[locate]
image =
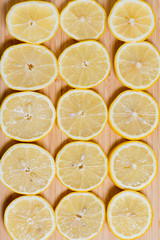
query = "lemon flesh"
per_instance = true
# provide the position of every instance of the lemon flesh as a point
(27, 169)
(81, 114)
(83, 19)
(137, 65)
(134, 115)
(132, 165)
(129, 215)
(33, 21)
(28, 67)
(27, 116)
(80, 216)
(85, 64)
(29, 218)
(131, 20)
(81, 166)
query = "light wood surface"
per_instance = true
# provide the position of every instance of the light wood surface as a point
(53, 142)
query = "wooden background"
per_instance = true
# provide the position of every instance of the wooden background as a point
(109, 89)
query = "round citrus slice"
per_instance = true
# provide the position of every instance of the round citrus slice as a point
(84, 64)
(132, 165)
(28, 67)
(27, 116)
(33, 21)
(80, 216)
(81, 114)
(27, 169)
(29, 217)
(134, 114)
(131, 20)
(83, 19)
(129, 215)
(81, 166)
(137, 65)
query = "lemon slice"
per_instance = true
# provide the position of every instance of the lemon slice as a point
(83, 19)
(28, 67)
(81, 114)
(81, 166)
(33, 21)
(132, 165)
(131, 20)
(134, 115)
(129, 215)
(80, 216)
(84, 64)
(27, 116)
(137, 65)
(29, 217)
(27, 169)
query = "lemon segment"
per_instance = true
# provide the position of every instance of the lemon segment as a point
(27, 116)
(84, 64)
(132, 165)
(81, 166)
(33, 21)
(131, 20)
(131, 209)
(80, 216)
(83, 19)
(137, 65)
(27, 169)
(134, 114)
(28, 67)
(81, 114)
(29, 217)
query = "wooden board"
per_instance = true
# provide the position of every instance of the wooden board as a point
(109, 89)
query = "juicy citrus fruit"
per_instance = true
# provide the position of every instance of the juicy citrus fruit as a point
(29, 217)
(27, 169)
(28, 67)
(81, 166)
(33, 21)
(132, 20)
(137, 65)
(27, 116)
(83, 19)
(81, 114)
(134, 115)
(80, 216)
(132, 165)
(84, 64)
(129, 215)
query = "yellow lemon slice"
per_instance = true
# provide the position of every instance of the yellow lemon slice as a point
(80, 216)
(129, 215)
(28, 67)
(132, 165)
(132, 20)
(81, 166)
(33, 21)
(134, 115)
(81, 114)
(27, 169)
(27, 116)
(83, 19)
(29, 217)
(84, 64)
(137, 65)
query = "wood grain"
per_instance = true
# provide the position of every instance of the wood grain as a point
(109, 89)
